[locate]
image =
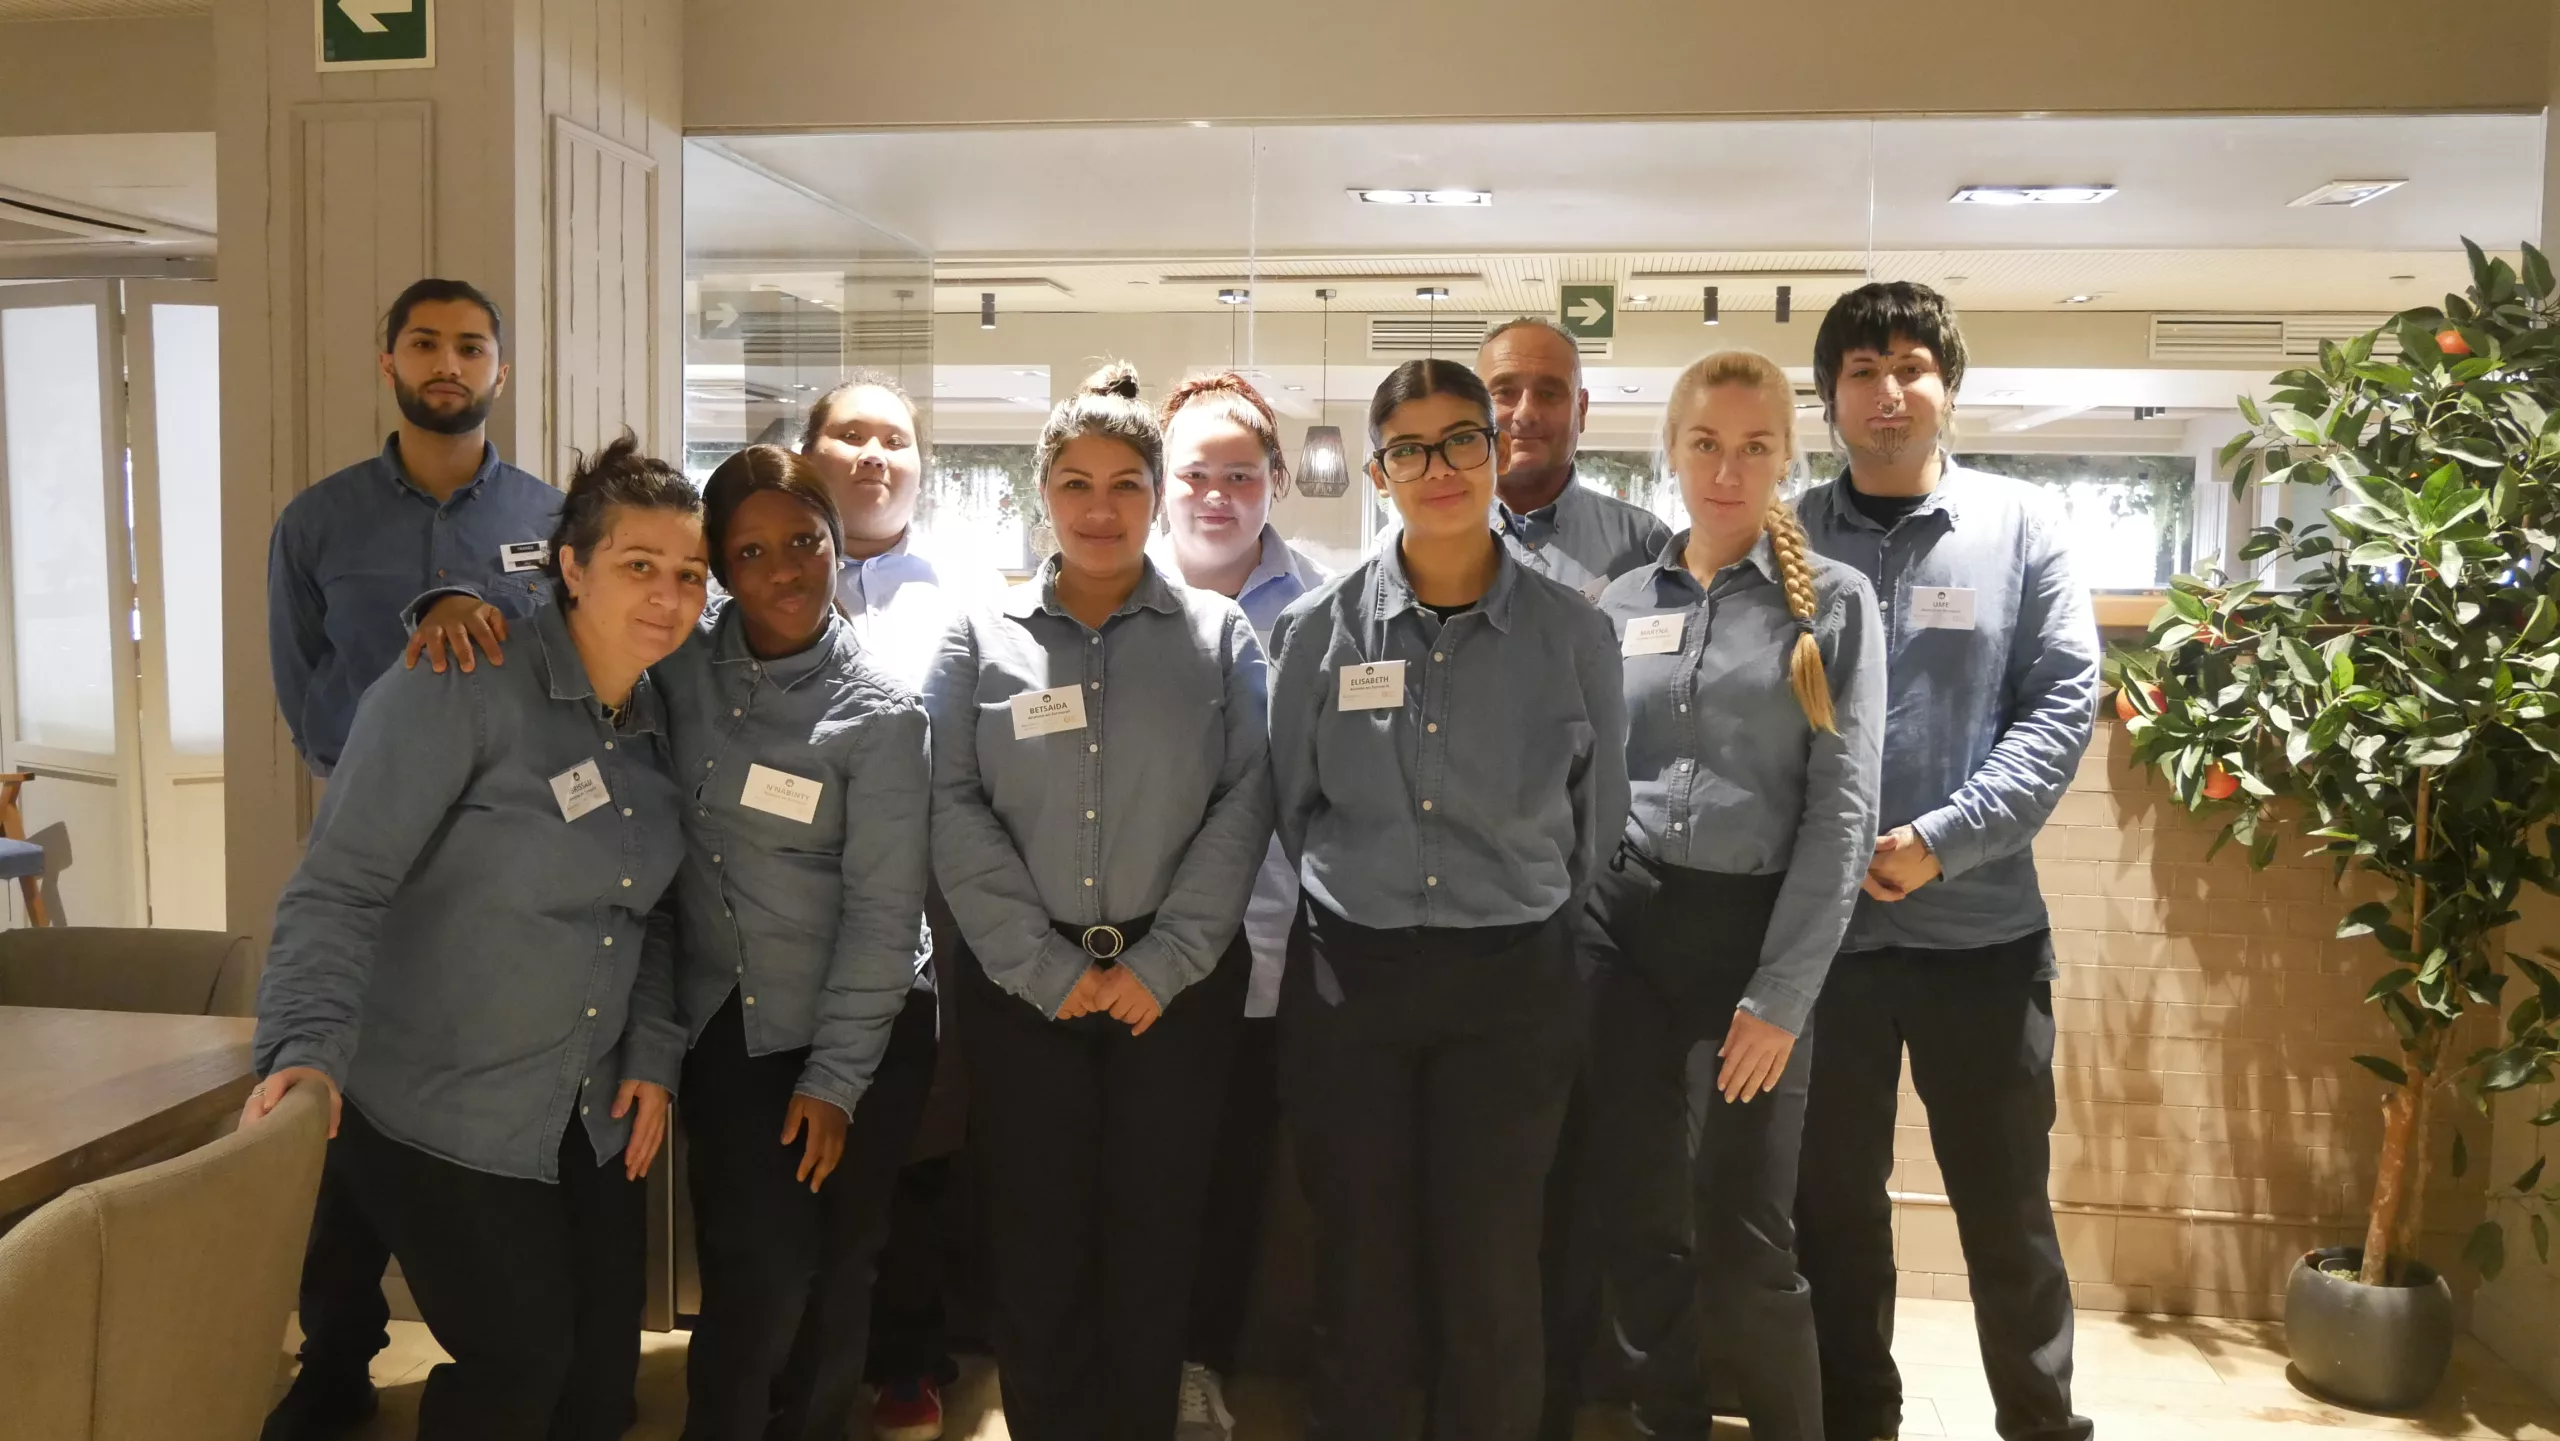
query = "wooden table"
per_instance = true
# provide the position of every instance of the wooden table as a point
(85, 1094)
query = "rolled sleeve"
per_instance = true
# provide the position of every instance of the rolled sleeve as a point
(2053, 673)
(1835, 834)
(409, 756)
(884, 871)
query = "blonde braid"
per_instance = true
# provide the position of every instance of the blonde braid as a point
(1804, 666)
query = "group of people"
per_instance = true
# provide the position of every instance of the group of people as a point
(1511, 874)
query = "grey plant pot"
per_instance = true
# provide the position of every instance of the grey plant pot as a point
(2376, 1348)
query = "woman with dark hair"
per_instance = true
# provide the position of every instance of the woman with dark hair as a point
(1101, 803)
(807, 787)
(455, 962)
(1448, 759)
(1225, 468)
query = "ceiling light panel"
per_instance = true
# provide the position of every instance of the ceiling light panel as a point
(1444, 196)
(2346, 193)
(2031, 195)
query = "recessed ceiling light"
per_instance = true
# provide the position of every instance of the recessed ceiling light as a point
(2077, 299)
(1234, 297)
(1197, 124)
(1443, 196)
(2031, 195)
(1632, 389)
(1028, 400)
(1640, 300)
(1297, 387)
(2347, 192)
(1431, 292)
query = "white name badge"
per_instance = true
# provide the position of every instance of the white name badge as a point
(1942, 607)
(1040, 712)
(523, 555)
(1653, 635)
(1373, 685)
(780, 793)
(580, 789)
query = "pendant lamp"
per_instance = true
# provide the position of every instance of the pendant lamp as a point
(1324, 467)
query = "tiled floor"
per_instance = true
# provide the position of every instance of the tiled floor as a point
(2141, 1378)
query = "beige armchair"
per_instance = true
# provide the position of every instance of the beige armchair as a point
(109, 968)
(151, 1306)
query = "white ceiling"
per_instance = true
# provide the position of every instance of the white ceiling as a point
(164, 178)
(99, 9)
(2200, 220)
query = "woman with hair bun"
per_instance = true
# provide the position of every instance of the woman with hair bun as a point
(1755, 703)
(455, 962)
(1102, 801)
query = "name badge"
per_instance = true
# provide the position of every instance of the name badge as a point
(781, 793)
(580, 789)
(1372, 685)
(1653, 635)
(1942, 607)
(523, 555)
(1040, 712)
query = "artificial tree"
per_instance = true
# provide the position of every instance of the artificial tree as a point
(2397, 699)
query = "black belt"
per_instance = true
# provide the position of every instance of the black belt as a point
(1105, 942)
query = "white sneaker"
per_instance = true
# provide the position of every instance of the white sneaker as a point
(1202, 1414)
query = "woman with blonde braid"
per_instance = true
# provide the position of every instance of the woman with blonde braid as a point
(1755, 700)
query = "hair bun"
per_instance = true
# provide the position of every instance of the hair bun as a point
(1119, 378)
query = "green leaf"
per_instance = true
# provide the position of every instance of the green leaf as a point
(2508, 1069)
(2390, 1071)
(2376, 552)
(2541, 1239)
(2531, 1174)
(2362, 920)
(2486, 1251)
(2390, 981)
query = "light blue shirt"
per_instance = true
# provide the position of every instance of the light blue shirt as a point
(454, 951)
(808, 785)
(1584, 538)
(1487, 794)
(1726, 772)
(347, 555)
(1985, 723)
(1280, 575)
(1158, 804)
(902, 603)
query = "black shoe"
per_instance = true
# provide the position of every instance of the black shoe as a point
(321, 1407)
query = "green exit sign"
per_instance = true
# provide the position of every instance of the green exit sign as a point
(376, 34)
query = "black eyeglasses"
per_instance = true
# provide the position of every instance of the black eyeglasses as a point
(1407, 461)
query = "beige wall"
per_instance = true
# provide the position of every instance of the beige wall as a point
(815, 64)
(107, 77)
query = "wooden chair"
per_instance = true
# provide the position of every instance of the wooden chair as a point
(21, 859)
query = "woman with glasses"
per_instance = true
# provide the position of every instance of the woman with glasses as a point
(1102, 801)
(1448, 758)
(1755, 700)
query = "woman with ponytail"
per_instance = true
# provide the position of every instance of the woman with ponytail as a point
(1102, 802)
(1755, 700)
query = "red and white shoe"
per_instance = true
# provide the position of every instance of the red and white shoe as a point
(908, 1411)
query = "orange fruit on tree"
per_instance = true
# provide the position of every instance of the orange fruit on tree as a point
(2220, 784)
(2450, 341)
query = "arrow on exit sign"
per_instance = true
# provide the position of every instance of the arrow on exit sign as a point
(1589, 311)
(375, 34)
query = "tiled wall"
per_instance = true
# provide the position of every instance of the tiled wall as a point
(2211, 1128)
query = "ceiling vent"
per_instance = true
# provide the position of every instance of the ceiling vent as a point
(1410, 337)
(2258, 338)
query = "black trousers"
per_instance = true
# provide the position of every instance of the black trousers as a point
(1701, 1240)
(786, 1274)
(1423, 1109)
(345, 1319)
(910, 1322)
(534, 1289)
(1979, 1024)
(1239, 1179)
(1093, 1146)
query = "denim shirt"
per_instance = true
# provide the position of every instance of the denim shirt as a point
(1727, 773)
(348, 553)
(807, 787)
(1488, 795)
(1279, 576)
(1159, 803)
(1584, 537)
(456, 954)
(1984, 724)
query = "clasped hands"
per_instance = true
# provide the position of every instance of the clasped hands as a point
(1115, 991)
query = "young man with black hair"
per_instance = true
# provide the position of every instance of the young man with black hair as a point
(1992, 678)
(437, 506)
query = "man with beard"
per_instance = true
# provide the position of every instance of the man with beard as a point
(1555, 526)
(436, 507)
(1991, 676)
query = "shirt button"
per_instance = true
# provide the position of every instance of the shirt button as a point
(626, 883)
(439, 575)
(608, 940)
(1095, 685)
(754, 669)
(715, 860)
(1431, 880)
(591, 1011)
(626, 810)
(1675, 825)
(751, 1000)
(608, 745)
(582, 1110)
(589, 1081)
(1433, 727)
(1088, 880)
(1096, 640)
(1684, 710)
(1094, 746)
(1426, 805)
(706, 765)
(1435, 655)
(735, 711)
(1088, 815)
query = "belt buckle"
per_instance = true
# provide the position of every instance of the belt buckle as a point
(1096, 937)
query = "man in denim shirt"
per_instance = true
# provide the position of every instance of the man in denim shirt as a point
(1992, 672)
(436, 505)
